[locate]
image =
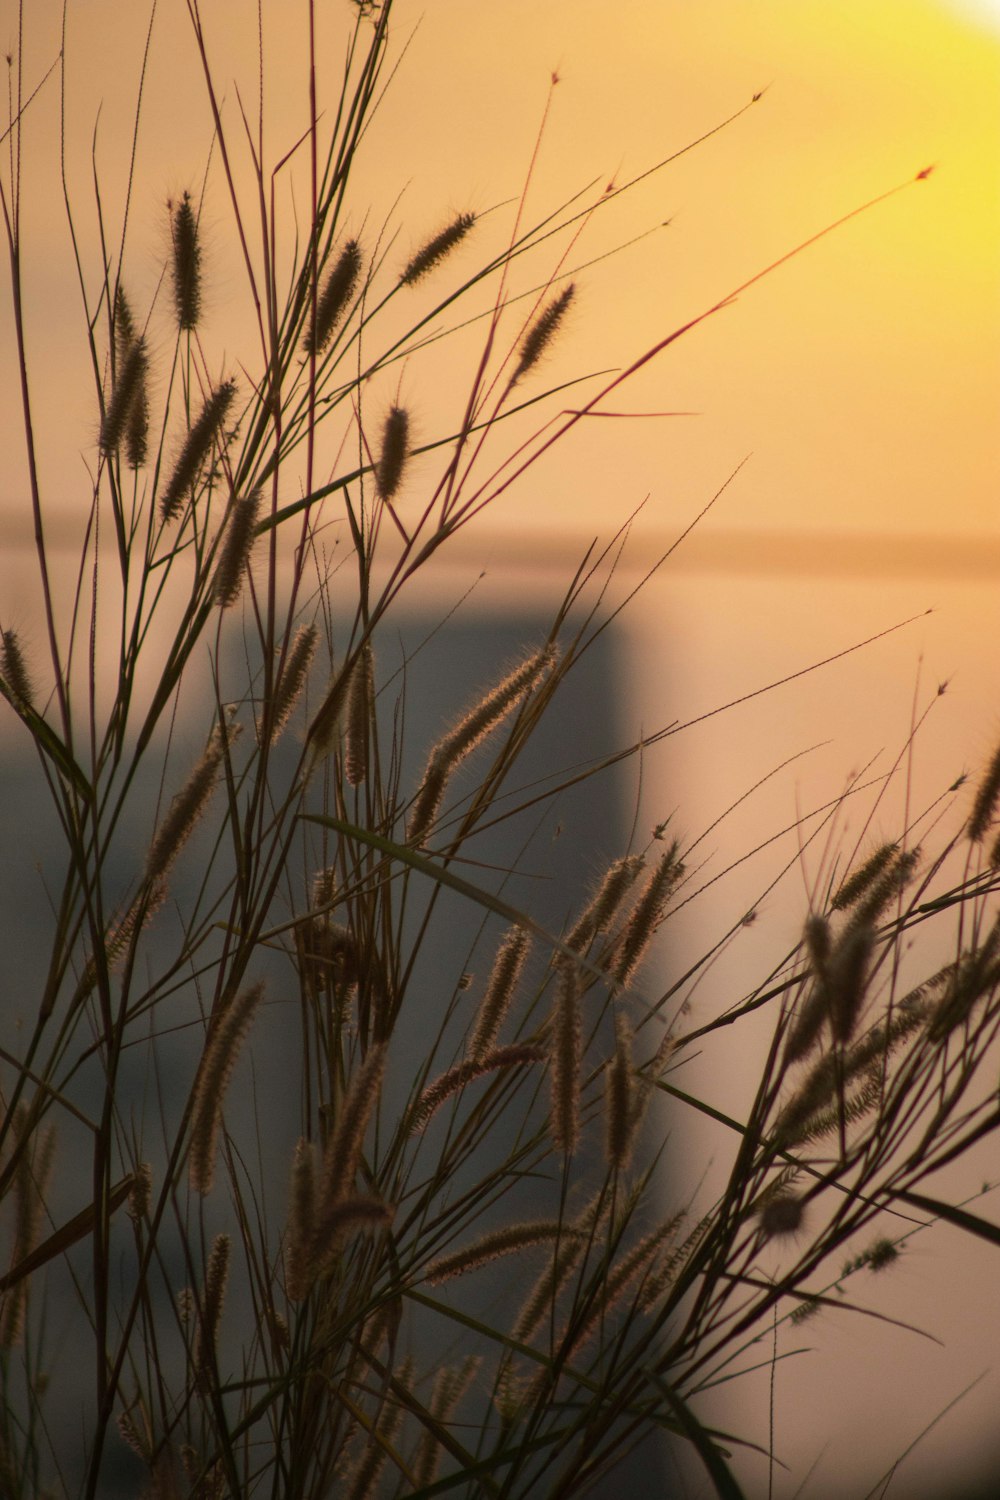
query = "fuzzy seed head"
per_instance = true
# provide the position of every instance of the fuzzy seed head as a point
(137, 426)
(334, 296)
(606, 903)
(324, 889)
(141, 1193)
(290, 684)
(864, 877)
(359, 700)
(326, 721)
(781, 1215)
(881, 1254)
(344, 1147)
(236, 547)
(214, 1073)
(847, 979)
(206, 431)
(212, 1299)
(128, 396)
(182, 815)
(886, 888)
(646, 917)
(620, 1113)
(507, 1240)
(503, 981)
(436, 249)
(542, 332)
(124, 322)
(462, 1073)
(301, 1222)
(31, 1178)
(984, 807)
(568, 1248)
(394, 453)
(186, 264)
(470, 732)
(427, 801)
(15, 673)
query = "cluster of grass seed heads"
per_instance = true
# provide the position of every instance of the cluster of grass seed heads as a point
(436, 249)
(470, 732)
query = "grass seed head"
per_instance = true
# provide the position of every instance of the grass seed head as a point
(15, 672)
(606, 903)
(301, 1222)
(507, 1240)
(237, 544)
(503, 981)
(782, 1215)
(984, 806)
(334, 296)
(394, 452)
(214, 1073)
(621, 1117)
(360, 698)
(290, 684)
(206, 430)
(127, 397)
(848, 975)
(182, 814)
(212, 1301)
(186, 264)
(435, 251)
(646, 916)
(469, 733)
(343, 1150)
(542, 332)
(456, 1078)
(856, 884)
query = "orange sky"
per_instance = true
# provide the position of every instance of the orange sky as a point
(864, 378)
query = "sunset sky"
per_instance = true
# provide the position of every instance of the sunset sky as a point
(860, 381)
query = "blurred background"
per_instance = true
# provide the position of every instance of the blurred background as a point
(844, 409)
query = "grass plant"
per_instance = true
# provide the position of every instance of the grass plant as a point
(322, 1330)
